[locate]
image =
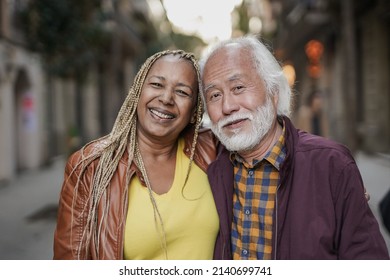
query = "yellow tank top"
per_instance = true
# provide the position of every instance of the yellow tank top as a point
(190, 218)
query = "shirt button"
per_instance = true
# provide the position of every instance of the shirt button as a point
(244, 252)
(250, 173)
(247, 211)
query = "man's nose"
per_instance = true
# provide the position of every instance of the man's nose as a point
(229, 104)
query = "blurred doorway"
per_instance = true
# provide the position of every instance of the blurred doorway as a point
(24, 120)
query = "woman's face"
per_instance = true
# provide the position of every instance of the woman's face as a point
(168, 98)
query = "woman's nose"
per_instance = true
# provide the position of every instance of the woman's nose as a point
(166, 97)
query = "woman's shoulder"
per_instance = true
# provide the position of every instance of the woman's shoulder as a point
(88, 151)
(205, 134)
(206, 147)
(206, 138)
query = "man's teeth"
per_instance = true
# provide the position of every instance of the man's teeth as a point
(161, 115)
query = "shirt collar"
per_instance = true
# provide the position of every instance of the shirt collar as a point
(275, 156)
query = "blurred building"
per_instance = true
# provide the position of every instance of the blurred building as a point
(43, 115)
(341, 48)
(22, 132)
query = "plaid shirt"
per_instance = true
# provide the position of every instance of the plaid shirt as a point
(254, 202)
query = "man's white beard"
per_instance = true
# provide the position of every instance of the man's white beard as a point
(261, 121)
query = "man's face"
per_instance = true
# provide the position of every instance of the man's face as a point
(241, 114)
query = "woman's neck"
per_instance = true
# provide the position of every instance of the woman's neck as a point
(156, 148)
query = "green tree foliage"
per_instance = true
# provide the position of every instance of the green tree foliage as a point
(188, 42)
(243, 23)
(69, 33)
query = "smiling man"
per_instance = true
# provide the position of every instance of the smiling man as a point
(281, 193)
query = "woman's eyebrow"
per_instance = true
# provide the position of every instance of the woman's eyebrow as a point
(184, 85)
(158, 77)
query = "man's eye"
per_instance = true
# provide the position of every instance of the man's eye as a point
(214, 96)
(238, 88)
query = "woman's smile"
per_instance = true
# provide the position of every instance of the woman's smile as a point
(161, 114)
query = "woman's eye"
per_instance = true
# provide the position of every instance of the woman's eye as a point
(158, 85)
(182, 93)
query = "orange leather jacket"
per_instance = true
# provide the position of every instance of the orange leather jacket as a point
(68, 234)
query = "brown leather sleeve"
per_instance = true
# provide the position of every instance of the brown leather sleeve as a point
(70, 223)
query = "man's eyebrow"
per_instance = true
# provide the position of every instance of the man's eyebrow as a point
(230, 79)
(234, 77)
(207, 88)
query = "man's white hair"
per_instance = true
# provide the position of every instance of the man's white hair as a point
(268, 68)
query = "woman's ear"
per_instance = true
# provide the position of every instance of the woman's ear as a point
(193, 118)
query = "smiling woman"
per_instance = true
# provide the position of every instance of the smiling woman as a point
(121, 193)
(168, 99)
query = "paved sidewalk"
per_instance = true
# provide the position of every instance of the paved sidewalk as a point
(28, 212)
(375, 171)
(28, 206)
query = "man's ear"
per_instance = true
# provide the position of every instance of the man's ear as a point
(275, 99)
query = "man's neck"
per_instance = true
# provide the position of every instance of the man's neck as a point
(265, 144)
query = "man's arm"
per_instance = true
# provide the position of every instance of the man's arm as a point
(357, 227)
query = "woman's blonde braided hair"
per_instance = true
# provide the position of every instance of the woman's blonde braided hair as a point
(110, 151)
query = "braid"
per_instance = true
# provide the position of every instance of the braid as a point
(110, 151)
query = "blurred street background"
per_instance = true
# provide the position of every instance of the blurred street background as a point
(66, 67)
